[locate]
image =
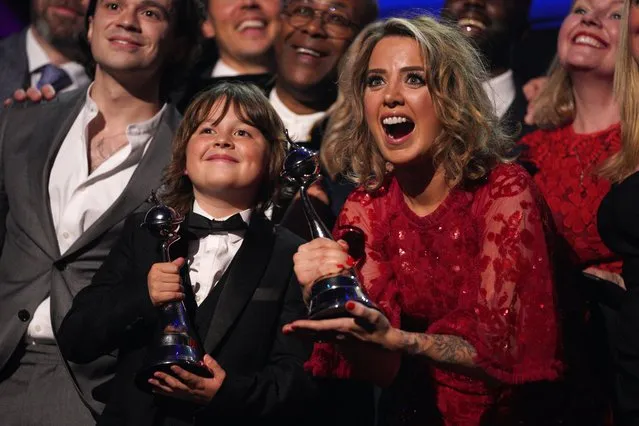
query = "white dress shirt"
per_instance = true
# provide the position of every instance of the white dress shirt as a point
(210, 256)
(222, 69)
(37, 58)
(501, 91)
(299, 126)
(78, 198)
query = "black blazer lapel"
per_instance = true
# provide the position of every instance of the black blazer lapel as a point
(146, 178)
(244, 277)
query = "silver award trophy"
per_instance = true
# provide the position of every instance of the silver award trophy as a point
(176, 342)
(329, 294)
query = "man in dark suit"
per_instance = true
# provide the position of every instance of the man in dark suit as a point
(496, 28)
(244, 32)
(308, 54)
(239, 46)
(71, 171)
(626, 380)
(47, 52)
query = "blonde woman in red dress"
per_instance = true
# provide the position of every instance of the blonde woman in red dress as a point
(578, 118)
(456, 255)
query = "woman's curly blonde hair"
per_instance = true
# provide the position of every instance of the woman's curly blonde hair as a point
(471, 142)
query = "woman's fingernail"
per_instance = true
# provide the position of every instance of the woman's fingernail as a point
(350, 261)
(340, 266)
(350, 305)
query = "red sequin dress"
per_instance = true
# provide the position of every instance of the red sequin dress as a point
(478, 267)
(565, 164)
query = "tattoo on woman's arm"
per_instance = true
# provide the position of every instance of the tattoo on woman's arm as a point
(440, 348)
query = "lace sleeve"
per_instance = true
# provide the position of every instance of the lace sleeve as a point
(510, 317)
(375, 274)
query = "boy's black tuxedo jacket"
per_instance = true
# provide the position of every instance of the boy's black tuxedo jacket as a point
(265, 382)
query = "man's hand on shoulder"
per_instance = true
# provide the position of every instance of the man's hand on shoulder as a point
(31, 96)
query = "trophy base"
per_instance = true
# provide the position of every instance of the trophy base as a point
(166, 357)
(329, 297)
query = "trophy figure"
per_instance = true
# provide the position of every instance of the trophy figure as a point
(176, 342)
(329, 294)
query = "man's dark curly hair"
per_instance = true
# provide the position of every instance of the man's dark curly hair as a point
(188, 16)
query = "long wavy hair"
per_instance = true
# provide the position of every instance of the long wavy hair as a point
(622, 164)
(471, 142)
(254, 109)
(555, 105)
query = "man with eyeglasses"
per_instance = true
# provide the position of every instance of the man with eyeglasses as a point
(314, 37)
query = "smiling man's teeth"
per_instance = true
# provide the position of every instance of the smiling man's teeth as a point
(250, 24)
(394, 120)
(124, 42)
(468, 22)
(590, 41)
(308, 52)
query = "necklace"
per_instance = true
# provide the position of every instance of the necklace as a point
(103, 148)
(581, 169)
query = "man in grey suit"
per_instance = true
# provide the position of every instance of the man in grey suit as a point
(71, 171)
(47, 52)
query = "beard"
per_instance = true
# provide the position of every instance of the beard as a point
(61, 31)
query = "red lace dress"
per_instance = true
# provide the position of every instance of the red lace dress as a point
(565, 164)
(477, 267)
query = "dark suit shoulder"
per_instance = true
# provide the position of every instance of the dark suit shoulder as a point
(14, 42)
(13, 49)
(135, 220)
(14, 65)
(38, 123)
(66, 100)
(172, 116)
(133, 225)
(286, 239)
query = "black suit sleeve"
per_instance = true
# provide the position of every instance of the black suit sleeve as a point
(282, 388)
(627, 382)
(114, 305)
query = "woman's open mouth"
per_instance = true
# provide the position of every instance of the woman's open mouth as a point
(398, 127)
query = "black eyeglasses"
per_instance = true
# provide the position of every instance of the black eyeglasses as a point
(335, 23)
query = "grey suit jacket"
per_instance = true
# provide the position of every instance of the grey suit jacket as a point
(31, 266)
(14, 65)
